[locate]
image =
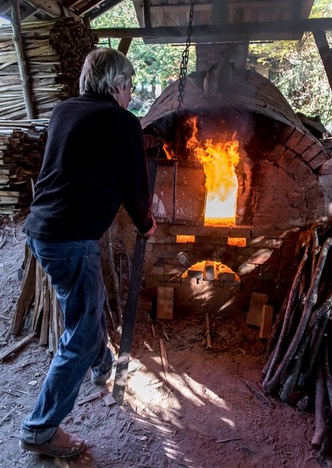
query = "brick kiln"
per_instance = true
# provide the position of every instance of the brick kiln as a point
(277, 173)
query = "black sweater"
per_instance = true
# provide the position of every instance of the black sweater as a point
(94, 160)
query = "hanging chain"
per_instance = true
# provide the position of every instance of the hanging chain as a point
(185, 58)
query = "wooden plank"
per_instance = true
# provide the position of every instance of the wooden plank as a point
(102, 9)
(21, 60)
(230, 31)
(16, 346)
(27, 294)
(266, 322)
(52, 9)
(124, 45)
(165, 303)
(255, 310)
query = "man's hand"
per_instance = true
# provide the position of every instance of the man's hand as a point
(151, 231)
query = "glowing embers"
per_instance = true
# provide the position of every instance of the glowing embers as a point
(219, 162)
(237, 241)
(184, 239)
(208, 270)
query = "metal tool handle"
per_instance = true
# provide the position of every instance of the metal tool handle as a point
(129, 318)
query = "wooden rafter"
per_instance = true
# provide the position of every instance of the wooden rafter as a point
(147, 13)
(124, 45)
(325, 53)
(70, 3)
(274, 30)
(88, 7)
(219, 10)
(21, 59)
(52, 9)
(102, 9)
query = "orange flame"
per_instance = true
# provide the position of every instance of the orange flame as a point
(219, 161)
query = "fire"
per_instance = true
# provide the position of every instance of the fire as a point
(219, 161)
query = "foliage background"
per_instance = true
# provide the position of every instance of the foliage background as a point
(295, 67)
(156, 65)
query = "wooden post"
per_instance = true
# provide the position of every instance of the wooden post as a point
(21, 59)
(219, 10)
(147, 13)
(124, 45)
(325, 53)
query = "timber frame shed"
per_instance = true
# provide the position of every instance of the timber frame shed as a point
(166, 20)
(203, 23)
(213, 21)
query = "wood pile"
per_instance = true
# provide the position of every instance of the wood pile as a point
(39, 308)
(298, 369)
(55, 51)
(22, 146)
(37, 290)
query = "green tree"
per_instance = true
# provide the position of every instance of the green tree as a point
(295, 67)
(156, 65)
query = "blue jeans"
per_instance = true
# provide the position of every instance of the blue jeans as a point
(75, 271)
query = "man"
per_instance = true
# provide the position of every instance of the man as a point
(94, 161)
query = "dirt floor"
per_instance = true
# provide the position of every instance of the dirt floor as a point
(202, 409)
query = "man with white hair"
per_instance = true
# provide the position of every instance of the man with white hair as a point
(94, 161)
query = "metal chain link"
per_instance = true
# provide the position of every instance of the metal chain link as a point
(185, 59)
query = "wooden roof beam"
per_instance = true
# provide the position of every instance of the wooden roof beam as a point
(88, 7)
(52, 9)
(219, 11)
(105, 6)
(325, 53)
(275, 30)
(70, 3)
(21, 59)
(147, 13)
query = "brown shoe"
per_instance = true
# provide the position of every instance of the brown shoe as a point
(62, 445)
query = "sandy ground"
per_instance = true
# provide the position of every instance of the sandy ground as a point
(200, 409)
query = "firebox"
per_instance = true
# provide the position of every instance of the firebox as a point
(238, 178)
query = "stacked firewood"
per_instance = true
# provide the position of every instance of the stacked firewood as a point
(38, 292)
(22, 145)
(298, 369)
(38, 307)
(55, 52)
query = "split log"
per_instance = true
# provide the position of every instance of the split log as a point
(284, 317)
(327, 371)
(22, 146)
(53, 49)
(16, 346)
(39, 297)
(320, 425)
(27, 293)
(320, 317)
(310, 301)
(299, 367)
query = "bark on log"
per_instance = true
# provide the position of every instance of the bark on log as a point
(293, 296)
(327, 371)
(320, 425)
(310, 301)
(318, 319)
(27, 294)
